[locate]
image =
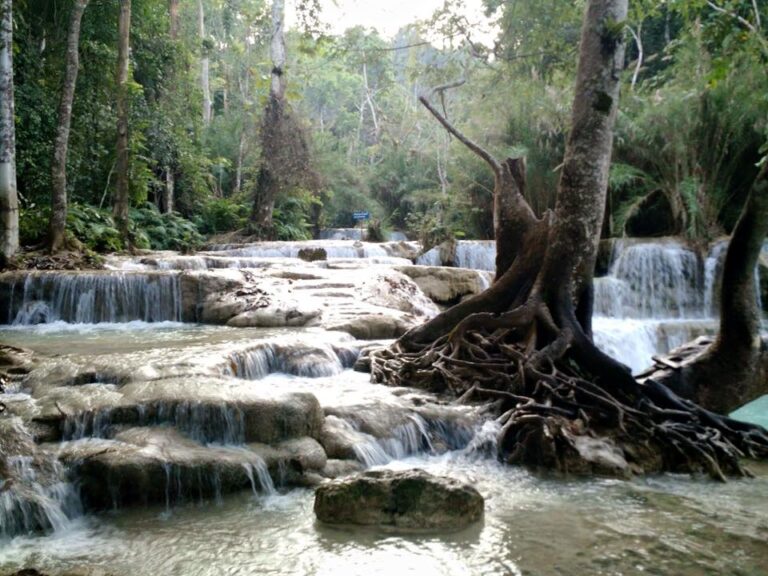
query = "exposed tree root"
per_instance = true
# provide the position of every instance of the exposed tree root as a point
(556, 415)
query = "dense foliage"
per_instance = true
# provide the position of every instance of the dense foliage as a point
(691, 127)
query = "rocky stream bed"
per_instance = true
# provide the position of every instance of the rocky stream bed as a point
(173, 414)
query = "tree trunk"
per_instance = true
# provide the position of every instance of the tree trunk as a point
(170, 187)
(277, 51)
(525, 345)
(9, 204)
(239, 165)
(734, 370)
(58, 223)
(205, 82)
(273, 130)
(122, 192)
(580, 204)
(173, 17)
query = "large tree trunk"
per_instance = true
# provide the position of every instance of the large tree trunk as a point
(205, 63)
(122, 192)
(168, 193)
(9, 204)
(166, 202)
(173, 17)
(525, 343)
(61, 143)
(274, 137)
(734, 370)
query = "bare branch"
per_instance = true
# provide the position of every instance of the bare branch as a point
(754, 28)
(474, 147)
(639, 43)
(744, 22)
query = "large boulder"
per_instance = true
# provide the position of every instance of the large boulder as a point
(447, 285)
(313, 254)
(411, 499)
(373, 327)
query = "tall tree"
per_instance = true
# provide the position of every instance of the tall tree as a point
(285, 156)
(122, 166)
(205, 64)
(526, 343)
(9, 204)
(61, 142)
(273, 129)
(173, 17)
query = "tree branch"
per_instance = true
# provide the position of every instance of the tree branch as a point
(474, 147)
(754, 28)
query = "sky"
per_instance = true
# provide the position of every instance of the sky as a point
(387, 16)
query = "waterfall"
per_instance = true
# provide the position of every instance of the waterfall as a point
(657, 295)
(35, 493)
(298, 359)
(257, 470)
(219, 423)
(416, 435)
(652, 280)
(430, 258)
(476, 254)
(333, 249)
(91, 298)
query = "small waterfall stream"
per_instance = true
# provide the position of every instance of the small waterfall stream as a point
(90, 298)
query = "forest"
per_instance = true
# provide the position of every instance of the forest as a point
(194, 112)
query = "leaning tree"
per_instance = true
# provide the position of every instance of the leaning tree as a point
(525, 344)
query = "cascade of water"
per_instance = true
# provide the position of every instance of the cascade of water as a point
(35, 494)
(652, 280)
(205, 423)
(259, 467)
(95, 298)
(430, 258)
(341, 234)
(298, 359)
(333, 249)
(417, 435)
(88, 424)
(476, 254)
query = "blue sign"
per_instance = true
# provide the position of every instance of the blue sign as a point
(362, 215)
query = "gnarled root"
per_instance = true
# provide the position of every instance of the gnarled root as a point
(554, 414)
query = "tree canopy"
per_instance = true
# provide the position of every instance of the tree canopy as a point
(691, 128)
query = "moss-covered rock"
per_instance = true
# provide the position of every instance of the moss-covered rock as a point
(411, 499)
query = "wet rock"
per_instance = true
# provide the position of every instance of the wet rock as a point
(411, 499)
(155, 465)
(276, 316)
(339, 439)
(339, 468)
(447, 285)
(403, 249)
(374, 327)
(312, 254)
(396, 291)
(14, 362)
(304, 454)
